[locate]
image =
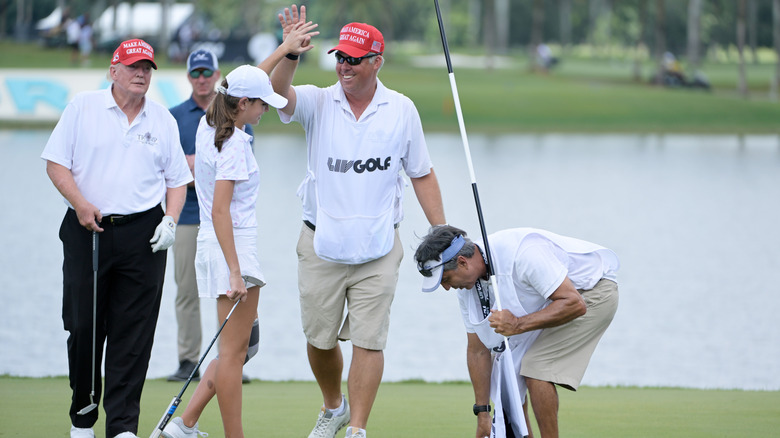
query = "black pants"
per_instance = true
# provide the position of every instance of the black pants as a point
(130, 281)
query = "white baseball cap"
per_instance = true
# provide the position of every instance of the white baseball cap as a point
(250, 81)
(436, 267)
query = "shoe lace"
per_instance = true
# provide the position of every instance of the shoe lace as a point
(321, 428)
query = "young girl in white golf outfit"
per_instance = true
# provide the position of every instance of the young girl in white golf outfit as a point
(227, 267)
(227, 182)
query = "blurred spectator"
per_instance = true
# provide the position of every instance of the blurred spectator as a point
(86, 40)
(544, 58)
(672, 75)
(72, 35)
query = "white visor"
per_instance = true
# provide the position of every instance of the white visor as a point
(436, 267)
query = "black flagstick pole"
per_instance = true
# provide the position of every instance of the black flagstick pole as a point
(506, 355)
(465, 140)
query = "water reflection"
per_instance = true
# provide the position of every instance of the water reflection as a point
(693, 219)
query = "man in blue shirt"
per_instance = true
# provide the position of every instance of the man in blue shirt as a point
(203, 74)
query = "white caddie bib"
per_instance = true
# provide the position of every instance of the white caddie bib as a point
(355, 189)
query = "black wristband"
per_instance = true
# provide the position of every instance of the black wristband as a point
(292, 57)
(481, 408)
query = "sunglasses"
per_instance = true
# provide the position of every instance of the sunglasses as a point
(351, 60)
(195, 74)
(426, 272)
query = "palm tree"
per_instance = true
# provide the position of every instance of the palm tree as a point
(537, 28)
(741, 12)
(694, 33)
(776, 38)
(564, 8)
(640, 43)
(660, 39)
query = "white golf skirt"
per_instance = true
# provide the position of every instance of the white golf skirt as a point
(211, 269)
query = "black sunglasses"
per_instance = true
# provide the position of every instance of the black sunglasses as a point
(352, 60)
(195, 74)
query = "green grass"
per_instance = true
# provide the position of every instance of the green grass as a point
(583, 95)
(38, 407)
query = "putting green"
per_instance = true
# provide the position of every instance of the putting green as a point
(39, 407)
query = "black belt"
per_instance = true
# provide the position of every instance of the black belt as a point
(121, 219)
(314, 227)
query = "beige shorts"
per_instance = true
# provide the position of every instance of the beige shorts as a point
(367, 290)
(561, 354)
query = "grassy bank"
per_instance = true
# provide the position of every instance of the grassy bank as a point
(583, 95)
(38, 407)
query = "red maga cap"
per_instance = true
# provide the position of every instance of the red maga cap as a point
(360, 39)
(131, 51)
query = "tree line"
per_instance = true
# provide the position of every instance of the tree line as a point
(691, 29)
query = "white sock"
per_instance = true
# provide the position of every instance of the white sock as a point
(342, 407)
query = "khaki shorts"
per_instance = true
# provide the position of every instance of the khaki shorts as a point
(367, 290)
(561, 354)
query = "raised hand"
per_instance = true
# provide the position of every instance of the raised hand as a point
(298, 38)
(290, 17)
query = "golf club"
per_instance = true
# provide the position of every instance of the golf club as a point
(507, 354)
(92, 405)
(176, 400)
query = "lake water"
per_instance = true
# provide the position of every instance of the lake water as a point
(695, 221)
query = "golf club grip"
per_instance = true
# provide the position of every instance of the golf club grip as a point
(94, 251)
(166, 417)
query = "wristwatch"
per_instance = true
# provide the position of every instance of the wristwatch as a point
(481, 408)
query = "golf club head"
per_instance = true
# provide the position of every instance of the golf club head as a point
(87, 409)
(253, 280)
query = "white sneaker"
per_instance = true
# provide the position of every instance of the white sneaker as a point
(81, 432)
(328, 425)
(355, 433)
(126, 435)
(177, 429)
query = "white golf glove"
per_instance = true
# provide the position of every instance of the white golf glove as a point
(164, 235)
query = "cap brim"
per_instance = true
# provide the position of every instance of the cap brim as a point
(275, 100)
(207, 65)
(133, 60)
(432, 283)
(350, 50)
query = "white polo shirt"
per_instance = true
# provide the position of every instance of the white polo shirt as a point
(235, 162)
(530, 264)
(391, 122)
(119, 167)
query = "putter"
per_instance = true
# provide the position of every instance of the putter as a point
(92, 405)
(176, 400)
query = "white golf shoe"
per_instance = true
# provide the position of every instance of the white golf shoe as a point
(328, 424)
(81, 432)
(126, 435)
(177, 429)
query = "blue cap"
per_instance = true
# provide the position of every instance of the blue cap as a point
(202, 58)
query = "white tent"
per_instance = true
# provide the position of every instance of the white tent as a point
(50, 22)
(142, 20)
